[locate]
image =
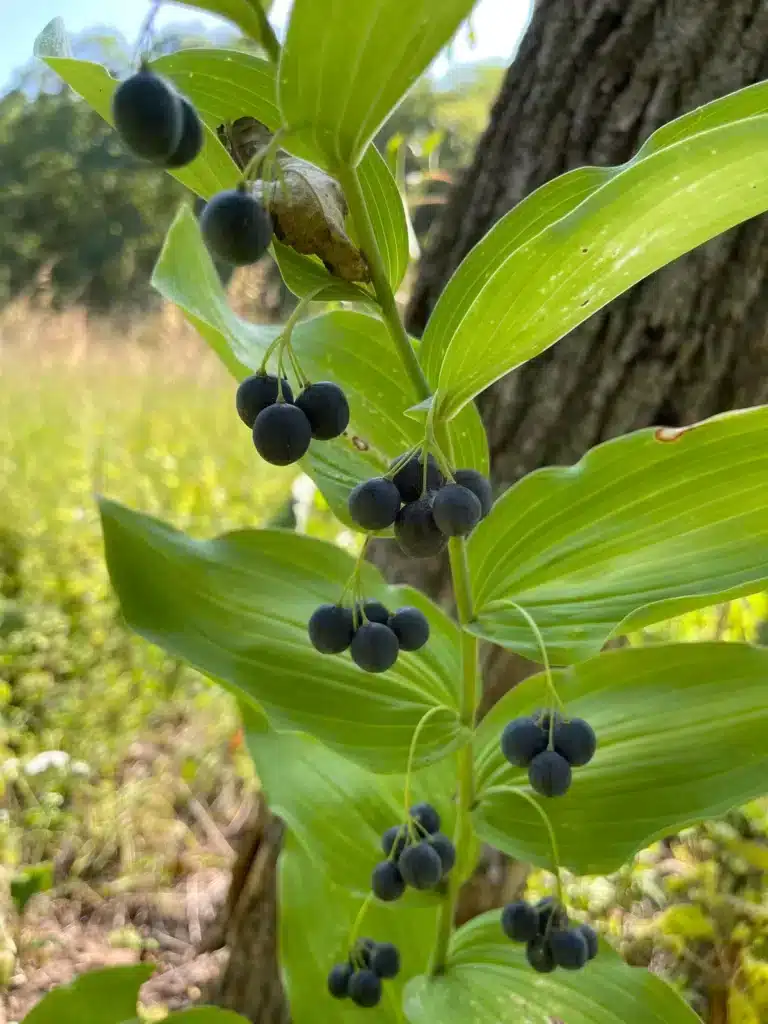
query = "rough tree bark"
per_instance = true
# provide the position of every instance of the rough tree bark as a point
(592, 79)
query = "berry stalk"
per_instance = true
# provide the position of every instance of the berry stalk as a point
(350, 182)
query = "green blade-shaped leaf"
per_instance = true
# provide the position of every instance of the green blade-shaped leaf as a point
(518, 292)
(237, 608)
(643, 528)
(346, 65)
(225, 85)
(99, 997)
(489, 982)
(351, 348)
(211, 172)
(681, 737)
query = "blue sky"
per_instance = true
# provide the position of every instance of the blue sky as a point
(497, 24)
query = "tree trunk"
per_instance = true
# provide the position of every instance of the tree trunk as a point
(591, 81)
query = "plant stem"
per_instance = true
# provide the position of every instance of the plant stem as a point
(350, 183)
(353, 193)
(465, 760)
(267, 36)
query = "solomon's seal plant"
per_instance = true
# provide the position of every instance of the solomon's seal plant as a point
(375, 757)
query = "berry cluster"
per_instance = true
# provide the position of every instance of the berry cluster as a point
(550, 943)
(375, 637)
(418, 854)
(525, 743)
(282, 428)
(156, 122)
(360, 977)
(424, 509)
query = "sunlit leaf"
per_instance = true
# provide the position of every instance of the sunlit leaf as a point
(488, 981)
(643, 528)
(237, 608)
(106, 996)
(681, 738)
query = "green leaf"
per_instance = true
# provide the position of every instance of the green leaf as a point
(237, 608)
(225, 85)
(643, 528)
(681, 738)
(344, 70)
(198, 1015)
(211, 172)
(488, 981)
(352, 348)
(553, 261)
(98, 997)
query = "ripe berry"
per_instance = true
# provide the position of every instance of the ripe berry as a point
(338, 980)
(395, 837)
(331, 629)
(409, 479)
(236, 227)
(446, 851)
(420, 866)
(387, 882)
(281, 433)
(325, 406)
(569, 948)
(575, 741)
(539, 956)
(374, 611)
(456, 510)
(551, 914)
(411, 627)
(374, 504)
(479, 486)
(521, 741)
(256, 393)
(148, 116)
(416, 530)
(385, 960)
(520, 921)
(426, 815)
(550, 774)
(590, 937)
(365, 988)
(374, 647)
(192, 135)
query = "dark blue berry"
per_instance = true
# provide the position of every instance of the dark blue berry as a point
(590, 937)
(520, 921)
(281, 434)
(256, 393)
(411, 627)
(575, 740)
(385, 960)
(236, 227)
(387, 882)
(550, 774)
(569, 948)
(192, 136)
(446, 851)
(374, 504)
(330, 628)
(456, 510)
(148, 115)
(325, 406)
(479, 486)
(521, 740)
(417, 532)
(426, 815)
(374, 611)
(394, 838)
(409, 479)
(420, 866)
(338, 980)
(539, 955)
(365, 988)
(374, 647)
